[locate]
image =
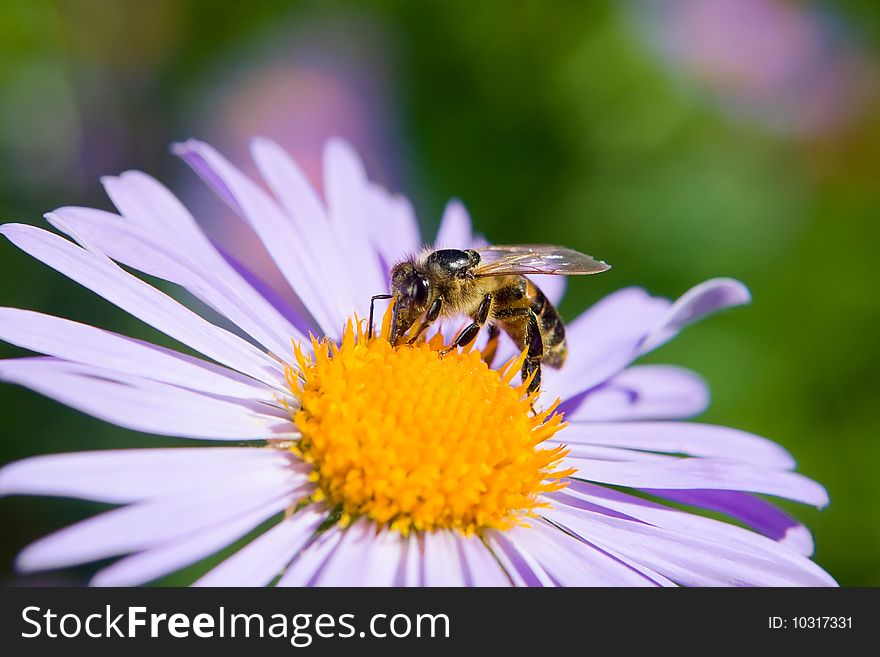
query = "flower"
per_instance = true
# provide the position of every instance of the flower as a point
(379, 465)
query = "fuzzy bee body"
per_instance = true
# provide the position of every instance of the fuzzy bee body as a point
(521, 292)
(491, 287)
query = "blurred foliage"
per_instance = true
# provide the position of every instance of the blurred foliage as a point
(553, 122)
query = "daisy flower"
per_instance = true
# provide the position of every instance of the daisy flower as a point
(372, 464)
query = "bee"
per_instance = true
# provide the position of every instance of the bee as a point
(490, 286)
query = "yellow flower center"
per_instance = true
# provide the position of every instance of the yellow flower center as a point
(419, 440)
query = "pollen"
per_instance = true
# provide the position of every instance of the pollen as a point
(418, 439)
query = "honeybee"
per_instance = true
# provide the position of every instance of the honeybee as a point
(490, 286)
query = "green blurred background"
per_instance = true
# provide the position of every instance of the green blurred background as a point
(678, 140)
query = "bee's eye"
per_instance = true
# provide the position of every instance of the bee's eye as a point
(419, 291)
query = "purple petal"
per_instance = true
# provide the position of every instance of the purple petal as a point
(292, 189)
(681, 438)
(622, 505)
(522, 568)
(394, 230)
(652, 576)
(261, 560)
(582, 451)
(410, 573)
(762, 516)
(157, 254)
(142, 526)
(696, 303)
(481, 568)
(691, 559)
(455, 228)
(386, 556)
(631, 310)
(88, 345)
(145, 405)
(144, 201)
(307, 214)
(604, 340)
(364, 558)
(143, 301)
(702, 473)
(132, 475)
(442, 562)
(627, 324)
(275, 230)
(641, 392)
(167, 558)
(571, 562)
(695, 556)
(191, 153)
(297, 316)
(309, 563)
(345, 189)
(480, 241)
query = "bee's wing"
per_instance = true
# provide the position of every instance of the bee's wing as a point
(499, 260)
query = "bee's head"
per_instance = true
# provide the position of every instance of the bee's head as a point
(411, 289)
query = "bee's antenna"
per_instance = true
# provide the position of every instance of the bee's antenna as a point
(372, 301)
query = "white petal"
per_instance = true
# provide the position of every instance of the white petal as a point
(702, 473)
(88, 345)
(310, 561)
(164, 559)
(522, 568)
(412, 573)
(627, 324)
(696, 303)
(143, 301)
(391, 222)
(141, 526)
(691, 559)
(346, 189)
(669, 518)
(691, 438)
(642, 392)
(364, 558)
(145, 201)
(261, 560)
(580, 451)
(571, 562)
(760, 515)
(455, 228)
(132, 475)
(481, 567)
(604, 340)
(272, 226)
(308, 215)
(207, 277)
(145, 405)
(442, 562)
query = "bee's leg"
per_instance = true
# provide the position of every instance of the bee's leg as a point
(372, 301)
(532, 341)
(492, 345)
(528, 367)
(535, 352)
(469, 333)
(430, 317)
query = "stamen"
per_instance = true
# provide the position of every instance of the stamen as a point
(418, 441)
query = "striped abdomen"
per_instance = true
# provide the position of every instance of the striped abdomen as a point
(551, 326)
(519, 293)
